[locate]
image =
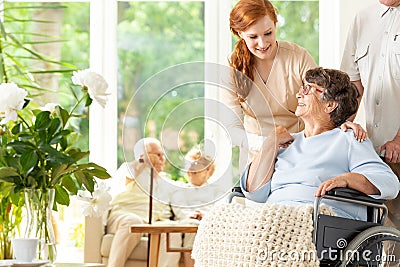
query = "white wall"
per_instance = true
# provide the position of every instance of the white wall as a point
(335, 19)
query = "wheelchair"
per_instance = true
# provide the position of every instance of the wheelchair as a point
(344, 242)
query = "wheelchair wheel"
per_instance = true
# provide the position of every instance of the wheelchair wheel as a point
(376, 246)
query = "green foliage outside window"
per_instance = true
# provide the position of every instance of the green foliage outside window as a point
(153, 36)
(298, 21)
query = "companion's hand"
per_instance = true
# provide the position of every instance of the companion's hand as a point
(338, 181)
(392, 150)
(359, 133)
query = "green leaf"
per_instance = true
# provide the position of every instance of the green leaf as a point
(55, 125)
(80, 176)
(88, 181)
(42, 121)
(59, 138)
(60, 171)
(79, 155)
(61, 196)
(7, 174)
(42, 134)
(54, 157)
(29, 159)
(25, 136)
(88, 101)
(16, 129)
(21, 146)
(70, 185)
(63, 115)
(96, 170)
(64, 143)
(13, 162)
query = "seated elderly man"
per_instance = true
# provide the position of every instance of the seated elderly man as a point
(132, 205)
(294, 168)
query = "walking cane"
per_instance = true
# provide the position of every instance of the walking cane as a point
(150, 209)
(150, 212)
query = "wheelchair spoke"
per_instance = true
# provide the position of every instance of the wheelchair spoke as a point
(377, 246)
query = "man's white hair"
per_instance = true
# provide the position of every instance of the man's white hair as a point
(140, 147)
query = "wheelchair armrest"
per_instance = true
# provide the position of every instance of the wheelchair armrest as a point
(236, 192)
(344, 192)
(353, 196)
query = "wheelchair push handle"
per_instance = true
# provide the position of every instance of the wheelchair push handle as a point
(236, 192)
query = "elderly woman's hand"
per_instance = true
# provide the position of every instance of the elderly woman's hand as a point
(359, 133)
(283, 137)
(352, 180)
(338, 181)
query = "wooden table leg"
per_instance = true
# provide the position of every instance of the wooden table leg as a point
(154, 249)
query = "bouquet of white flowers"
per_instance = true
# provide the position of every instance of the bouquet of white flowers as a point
(38, 146)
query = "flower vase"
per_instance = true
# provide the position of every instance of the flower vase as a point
(39, 205)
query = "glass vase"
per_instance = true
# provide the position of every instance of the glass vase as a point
(39, 205)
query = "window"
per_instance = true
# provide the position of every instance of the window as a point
(151, 39)
(133, 42)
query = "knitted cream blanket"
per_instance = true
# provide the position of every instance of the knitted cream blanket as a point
(232, 235)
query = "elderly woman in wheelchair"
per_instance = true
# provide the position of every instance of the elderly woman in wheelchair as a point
(295, 169)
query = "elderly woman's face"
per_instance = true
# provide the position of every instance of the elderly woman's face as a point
(198, 178)
(309, 103)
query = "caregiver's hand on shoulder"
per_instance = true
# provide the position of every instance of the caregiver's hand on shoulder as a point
(359, 133)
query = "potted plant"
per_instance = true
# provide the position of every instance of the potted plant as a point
(38, 151)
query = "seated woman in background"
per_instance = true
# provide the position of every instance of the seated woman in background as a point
(196, 198)
(192, 202)
(294, 168)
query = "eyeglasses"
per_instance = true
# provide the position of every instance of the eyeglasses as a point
(307, 88)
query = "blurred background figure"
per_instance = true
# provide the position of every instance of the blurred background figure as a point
(132, 205)
(191, 203)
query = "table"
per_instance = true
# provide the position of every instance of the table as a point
(9, 263)
(155, 231)
(66, 264)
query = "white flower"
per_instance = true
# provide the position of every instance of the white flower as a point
(97, 204)
(95, 84)
(51, 107)
(11, 100)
